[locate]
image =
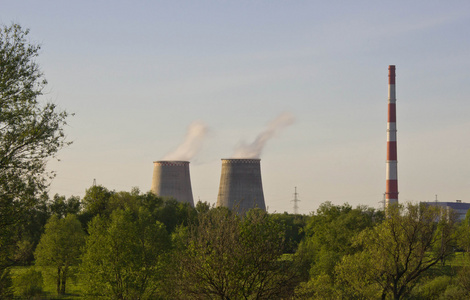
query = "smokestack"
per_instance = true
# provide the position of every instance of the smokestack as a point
(391, 191)
(171, 179)
(240, 187)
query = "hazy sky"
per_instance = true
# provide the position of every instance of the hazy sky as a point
(138, 73)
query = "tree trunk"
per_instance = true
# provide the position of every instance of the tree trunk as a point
(58, 280)
(64, 278)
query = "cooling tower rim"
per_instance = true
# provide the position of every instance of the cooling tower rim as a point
(171, 162)
(241, 160)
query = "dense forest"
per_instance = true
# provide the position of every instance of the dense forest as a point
(134, 245)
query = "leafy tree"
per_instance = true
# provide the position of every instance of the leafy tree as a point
(227, 257)
(173, 213)
(398, 252)
(329, 235)
(96, 200)
(62, 206)
(60, 247)
(30, 133)
(124, 256)
(463, 277)
(294, 229)
(29, 285)
(6, 288)
(464, 233)
(29, 231)
(202, 207)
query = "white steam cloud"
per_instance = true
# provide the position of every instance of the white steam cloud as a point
(254, 149)
(197, 131)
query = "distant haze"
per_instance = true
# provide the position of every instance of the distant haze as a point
(254, 149)
(197, 131)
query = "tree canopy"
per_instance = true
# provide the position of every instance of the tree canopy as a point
(227, 257)
(60, 247)
(397, 252)
(31, 132)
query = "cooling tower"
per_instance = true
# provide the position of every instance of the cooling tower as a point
(391, 189)
(240, 187)
(171, 179)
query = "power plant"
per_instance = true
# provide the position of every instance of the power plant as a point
(171, 179)
(391, 190)
(240, 187)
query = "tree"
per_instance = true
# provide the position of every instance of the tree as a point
(29, 231)
(60, 247)
(227, 257)
(62, 206)
(294, 229)
(329, 235)
(96, 200)
(30, 132)
(124, 256)
(397, 252)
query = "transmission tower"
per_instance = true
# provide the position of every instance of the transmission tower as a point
(296, 202)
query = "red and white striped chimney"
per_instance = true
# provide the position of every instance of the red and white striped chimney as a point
(391, 191)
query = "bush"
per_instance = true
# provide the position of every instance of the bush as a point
(454, 292)
(29, 284)
(5, 284)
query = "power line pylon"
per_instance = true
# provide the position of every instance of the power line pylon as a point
(296, 201)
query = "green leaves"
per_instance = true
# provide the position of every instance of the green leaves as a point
(397, 252)
(124, 255)
(228, 257)
(60, 247)
(30, 132)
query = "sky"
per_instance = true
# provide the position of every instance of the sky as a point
(137, 74)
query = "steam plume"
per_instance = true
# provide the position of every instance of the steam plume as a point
(254, 149)
(192, 143)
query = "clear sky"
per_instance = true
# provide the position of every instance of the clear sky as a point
(138, 73)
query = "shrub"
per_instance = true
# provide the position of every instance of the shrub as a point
(5, 284)
(29, 284)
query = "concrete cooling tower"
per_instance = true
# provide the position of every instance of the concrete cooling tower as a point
(240, 187)
(171, 179)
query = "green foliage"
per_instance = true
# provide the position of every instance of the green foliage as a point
(294, 229)
(463, 277)
(173, 213)
(30, 133)
(329, 236)
(96, 200)
(320, 287)
(463, 233)
(29, 284)
(6, 285)
(432, 289)
(397, 252)
(227, 257)
(124, 256)
(60, 247)
(202, 207)
(62, 206)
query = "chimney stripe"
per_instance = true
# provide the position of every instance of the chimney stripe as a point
(391, 189)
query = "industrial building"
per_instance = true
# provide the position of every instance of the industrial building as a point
(241, 188)
(171, 179)
(458, 207)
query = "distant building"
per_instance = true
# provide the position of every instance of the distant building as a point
(458, 207)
